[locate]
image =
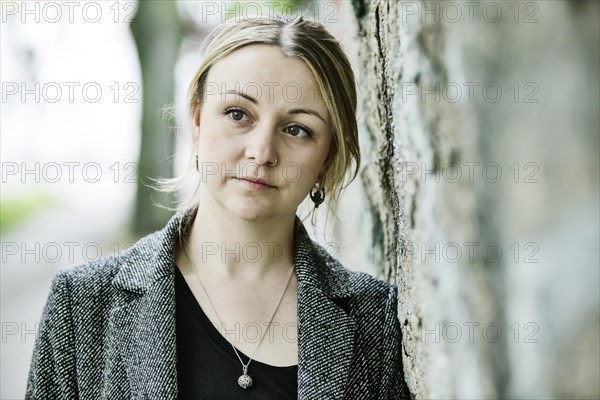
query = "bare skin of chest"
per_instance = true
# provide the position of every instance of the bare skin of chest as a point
(245, 306)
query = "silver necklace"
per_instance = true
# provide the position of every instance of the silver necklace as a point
(245, 381)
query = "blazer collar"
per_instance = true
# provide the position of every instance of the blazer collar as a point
(325, 330)
(153, 257)
(150, 259)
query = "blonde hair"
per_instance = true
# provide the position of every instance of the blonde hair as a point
(313, 44)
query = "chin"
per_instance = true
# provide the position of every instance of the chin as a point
(250, 210)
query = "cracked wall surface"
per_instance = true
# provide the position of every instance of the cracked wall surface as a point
(481, 174)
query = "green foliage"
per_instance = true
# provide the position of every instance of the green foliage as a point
(286, 7)
(15, 211)
(282, 7)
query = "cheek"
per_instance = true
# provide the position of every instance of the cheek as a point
(213, 144)
(310, 167)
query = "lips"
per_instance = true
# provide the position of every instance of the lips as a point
(257, 181)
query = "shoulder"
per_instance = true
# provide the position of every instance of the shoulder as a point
(371, 303)
(97, 275)
(358, 286)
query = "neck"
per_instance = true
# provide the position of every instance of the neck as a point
(229, 245)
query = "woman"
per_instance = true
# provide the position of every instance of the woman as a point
(232, 300)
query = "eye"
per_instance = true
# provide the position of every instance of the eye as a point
(299, 131)
(235, 114)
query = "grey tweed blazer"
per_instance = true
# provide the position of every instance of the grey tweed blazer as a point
(108, 328)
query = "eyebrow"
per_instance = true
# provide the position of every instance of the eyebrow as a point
(294, 111)
(244, 95)
(306, 111)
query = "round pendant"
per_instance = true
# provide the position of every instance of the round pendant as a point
(245, 381)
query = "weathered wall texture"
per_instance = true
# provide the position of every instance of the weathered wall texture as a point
(481, 169)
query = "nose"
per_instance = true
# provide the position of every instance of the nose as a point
(261, 145)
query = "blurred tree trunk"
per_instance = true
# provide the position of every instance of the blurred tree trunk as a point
(432, 199)
(156, 30)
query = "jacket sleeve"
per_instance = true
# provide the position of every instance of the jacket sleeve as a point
(52, 374)
(392, 385)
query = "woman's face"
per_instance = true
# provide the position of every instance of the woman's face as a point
(261, 106)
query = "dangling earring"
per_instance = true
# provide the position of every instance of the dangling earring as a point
(318, 196)
(197, 167)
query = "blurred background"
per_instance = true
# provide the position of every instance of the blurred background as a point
(478, 193)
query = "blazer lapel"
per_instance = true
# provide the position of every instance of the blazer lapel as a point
(145, 334)
(144, 323)
(325, 331)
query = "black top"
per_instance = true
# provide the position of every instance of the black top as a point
(207, 366)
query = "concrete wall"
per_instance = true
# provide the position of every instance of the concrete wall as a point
(481, 122)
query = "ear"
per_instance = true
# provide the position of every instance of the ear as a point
(196, 123)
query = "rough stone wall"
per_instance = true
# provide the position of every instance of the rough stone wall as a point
(481, 170)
